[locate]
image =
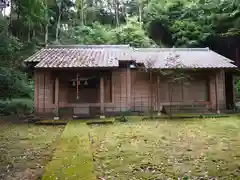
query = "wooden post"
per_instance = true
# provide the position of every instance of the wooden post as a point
(234, 89)
(57, 97)
(151, 92)
(102, 96)
(210, 91)
(36, 92)
(44, 92)
(129, 88)
(158, 95)
(216, 93)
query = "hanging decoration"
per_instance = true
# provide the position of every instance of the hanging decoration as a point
(74, 83)
(85, 83)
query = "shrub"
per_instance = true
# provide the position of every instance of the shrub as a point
(122, 119)
(16, 107)
(14, 84)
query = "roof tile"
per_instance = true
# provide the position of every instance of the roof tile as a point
(73, 56)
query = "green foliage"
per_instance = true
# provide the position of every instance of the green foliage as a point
(14, 84)
(237, 86)
(95, 34)
(10, 47)
(190, 23)
(132, 33)
(122, 119)
(187, 33)
(16, 107)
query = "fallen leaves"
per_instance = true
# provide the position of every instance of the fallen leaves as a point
(24, 149)
(173, 149)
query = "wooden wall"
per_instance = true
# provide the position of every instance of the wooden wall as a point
(119, 89)
(201, 89)
(43, 94)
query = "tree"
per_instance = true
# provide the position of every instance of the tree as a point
(80, 10)
(174, 72)
(133, 34)
(10, 47)
(192, 21)
(116, 10)
(32, 13)
(46, 4)
(95, 34)
(59, 4)
(188, 33)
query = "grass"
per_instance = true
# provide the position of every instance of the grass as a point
(159, 149)
(168, 149)
(72, 158)
(25, 149)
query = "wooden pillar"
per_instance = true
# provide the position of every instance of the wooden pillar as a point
(57, 96)
(44, 92)
(216, 93)
(158, 94)
(151, 92)
(211, 92)
(234, 89)
(129, 88)
(36, 92)
(102, 95)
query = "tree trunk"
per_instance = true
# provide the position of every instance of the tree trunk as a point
(116, 5)
(47, 23)
(170, 99)
(58, 25)
(82, 12)
(10, 15)
(140, 10)
(29, 31)
(46, 34)
(33, 33)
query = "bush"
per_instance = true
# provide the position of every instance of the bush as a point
(16, 107)
(121, 119)
(14, 84)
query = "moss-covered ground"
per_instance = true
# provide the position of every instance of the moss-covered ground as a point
(25, 149)
(137, 149)
(162, 149)
(73, 157)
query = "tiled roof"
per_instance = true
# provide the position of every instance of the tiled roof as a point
(71, 56)
(182, 57)
(54, 57)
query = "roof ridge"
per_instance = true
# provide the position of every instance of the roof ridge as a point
(176, 49)
(89, 46)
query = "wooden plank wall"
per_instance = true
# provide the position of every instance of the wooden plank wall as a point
(200, 89)
(119, 90)
(140, 91)
(44, 92)
(221, 90)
